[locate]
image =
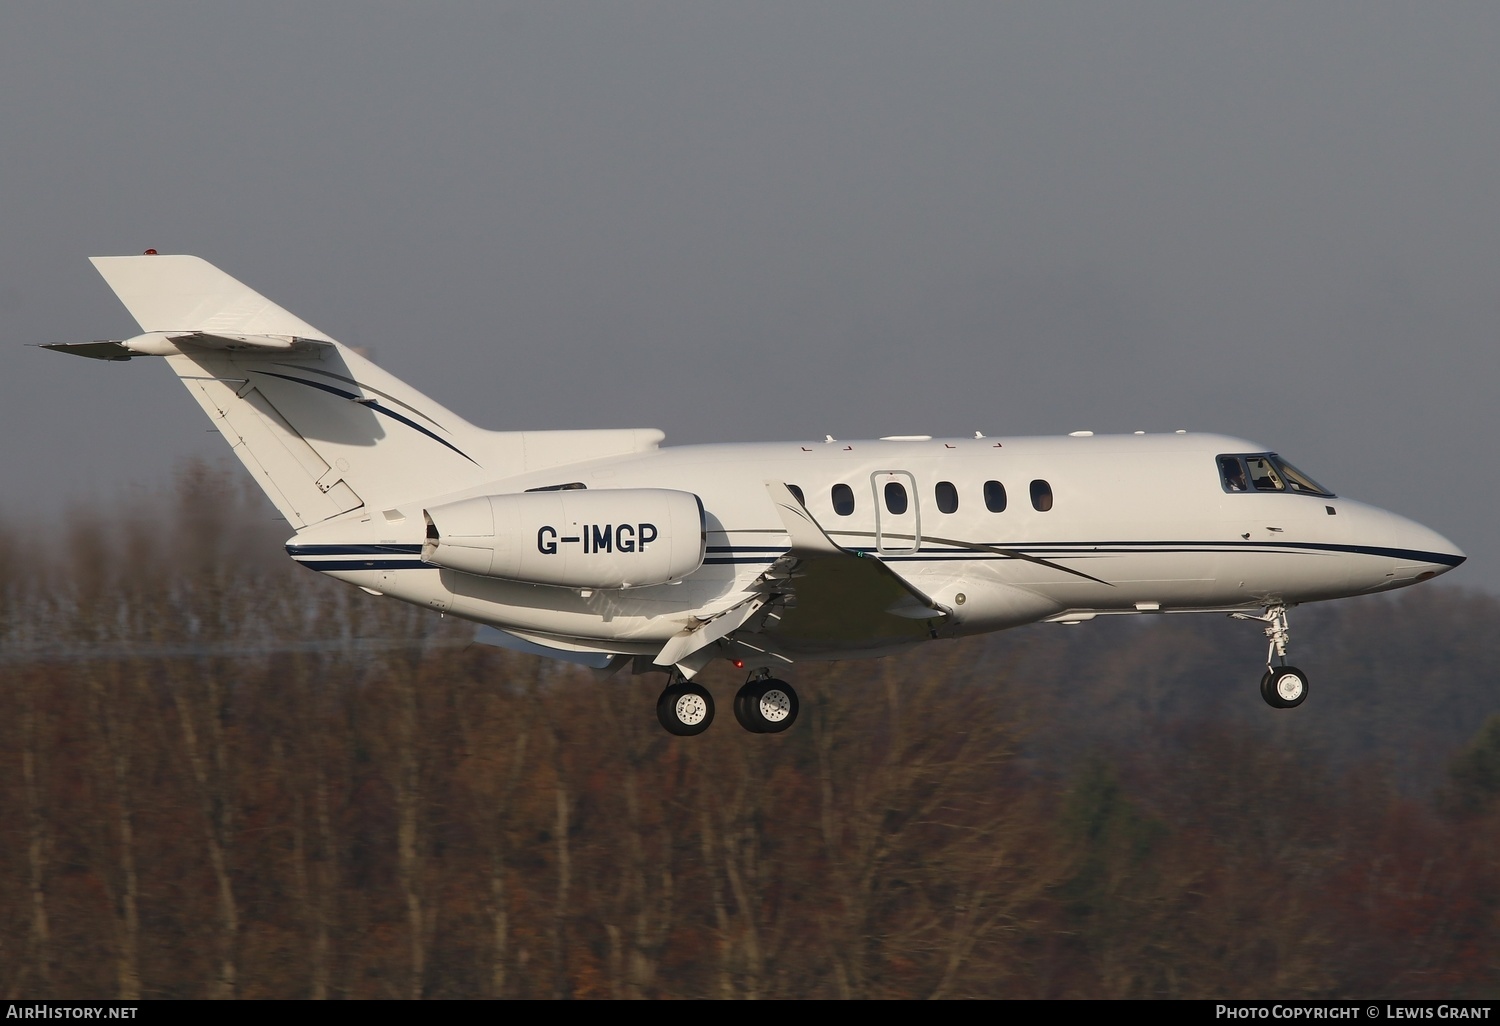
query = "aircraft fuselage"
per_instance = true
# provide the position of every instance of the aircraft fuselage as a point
(1135, 523)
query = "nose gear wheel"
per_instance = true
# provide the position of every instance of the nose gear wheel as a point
(1284, 687)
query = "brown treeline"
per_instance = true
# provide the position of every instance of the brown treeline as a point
(225, 777)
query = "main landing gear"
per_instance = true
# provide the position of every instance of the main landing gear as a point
(685, 708)
(764, 705)
(1283, 686)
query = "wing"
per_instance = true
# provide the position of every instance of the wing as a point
(837, 597)
(817, 598)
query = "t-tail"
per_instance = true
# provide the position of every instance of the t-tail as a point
(323, 430)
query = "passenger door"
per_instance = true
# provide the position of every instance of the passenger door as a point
(898, 522)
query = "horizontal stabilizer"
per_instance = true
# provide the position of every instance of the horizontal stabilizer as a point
(167, 343)
(251, 343)
(104, 349)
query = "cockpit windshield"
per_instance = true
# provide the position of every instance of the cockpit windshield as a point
(1266, 472)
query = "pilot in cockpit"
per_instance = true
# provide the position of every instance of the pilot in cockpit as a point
(1234, 474)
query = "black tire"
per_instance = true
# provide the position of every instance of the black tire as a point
(766, 706)
(685, 709)
(1284, 687)
(744, 700)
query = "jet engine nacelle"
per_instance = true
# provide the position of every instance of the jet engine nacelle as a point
(606, 539)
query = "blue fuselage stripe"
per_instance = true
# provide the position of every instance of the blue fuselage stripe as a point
(373, 405)
(317, 556)
(296, 551)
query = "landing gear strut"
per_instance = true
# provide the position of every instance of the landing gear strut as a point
(685, 708)
(765, 705)
(1282, 686)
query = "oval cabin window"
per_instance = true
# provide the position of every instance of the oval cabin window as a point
(895, 497)
(843, 500)
(1041, 496)
(994, 496)
(947, 497)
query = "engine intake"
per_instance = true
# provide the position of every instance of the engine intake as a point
(606, 539)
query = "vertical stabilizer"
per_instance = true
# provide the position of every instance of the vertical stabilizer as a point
(323, 430)
(187, 293)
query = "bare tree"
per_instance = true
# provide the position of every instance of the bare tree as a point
(924, 853)
(641, 911)
(38, 834)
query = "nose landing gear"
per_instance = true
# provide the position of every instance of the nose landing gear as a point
(1283, 686)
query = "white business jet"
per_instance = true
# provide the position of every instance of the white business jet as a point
(603, 548)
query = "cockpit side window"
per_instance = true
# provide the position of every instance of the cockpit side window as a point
(1266, 472)
(1263, 475)
(1232, 474)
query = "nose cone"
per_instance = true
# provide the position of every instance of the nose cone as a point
(1405, 552)
(1429, 552)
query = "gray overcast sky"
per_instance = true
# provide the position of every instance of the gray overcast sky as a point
(741, 221)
